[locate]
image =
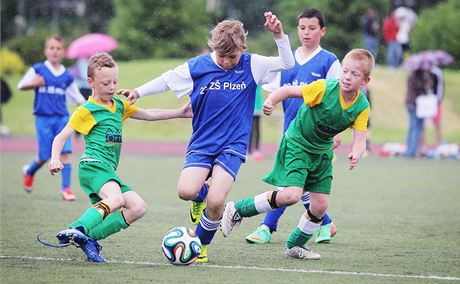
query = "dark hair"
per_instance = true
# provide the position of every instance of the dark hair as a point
(312, 13)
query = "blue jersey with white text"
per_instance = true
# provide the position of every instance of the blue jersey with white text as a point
(50, 99)
(316, 68)
(223, 106)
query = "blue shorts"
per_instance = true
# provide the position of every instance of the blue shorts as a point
(46, 128)
(230, 162)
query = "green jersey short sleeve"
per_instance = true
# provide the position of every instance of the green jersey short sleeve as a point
(101, 127)
(324, 115)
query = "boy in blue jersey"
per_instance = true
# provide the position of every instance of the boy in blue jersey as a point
(52, 84)
(312, 63)
(304, 158)
(221, 86)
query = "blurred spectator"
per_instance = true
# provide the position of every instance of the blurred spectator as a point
(79, 72)
(371, 27)
(438, 89)
(5, 96)
(254, 140)
(394, 49)
(419, 83)
(407, 19)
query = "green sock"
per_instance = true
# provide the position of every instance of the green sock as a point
(111, 225)
(90, 219)
(297, 238)
(246, 207)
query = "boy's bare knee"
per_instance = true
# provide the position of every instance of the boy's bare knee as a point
(186, 193)
(140, 210)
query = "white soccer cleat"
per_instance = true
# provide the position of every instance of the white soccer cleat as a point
(231, 219)
(302, 252)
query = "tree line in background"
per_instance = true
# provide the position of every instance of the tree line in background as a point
(179, 29)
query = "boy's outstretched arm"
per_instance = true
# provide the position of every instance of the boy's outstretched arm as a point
(280, 95)
(273, 24)
(357, 148)
(55, 164)
(163, 114)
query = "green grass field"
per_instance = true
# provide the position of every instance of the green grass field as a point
(389, 118)
(398, 221)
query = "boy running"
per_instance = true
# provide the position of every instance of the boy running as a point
(304, 158)
(222, 87)
(311, 63)
(52, 83)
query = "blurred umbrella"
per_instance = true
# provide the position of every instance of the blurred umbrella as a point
(427, 59)
(87, 45)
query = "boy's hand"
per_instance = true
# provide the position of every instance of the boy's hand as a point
(187, 110)
(354, 159)
(131, 95)
(273, 24)
(38, 81)
(337, 141)
(269, 107)
(55, 166)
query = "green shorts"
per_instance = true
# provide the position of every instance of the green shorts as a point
(294, 166)
(93, 175)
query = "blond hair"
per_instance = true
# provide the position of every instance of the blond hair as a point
(227, 37)
(364, 57)
(98, 61)
(56, 38)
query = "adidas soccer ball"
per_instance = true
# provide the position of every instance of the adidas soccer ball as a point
(181, 246)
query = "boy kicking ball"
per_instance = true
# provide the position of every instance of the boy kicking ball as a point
(100, 120)
(304, 158)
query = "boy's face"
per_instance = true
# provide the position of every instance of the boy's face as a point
(54, 51)
(352, 76)
(310, 32)
(228, 61)
(104, 83)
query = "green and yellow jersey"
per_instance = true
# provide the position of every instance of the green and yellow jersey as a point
(101, 127)
(324, 114)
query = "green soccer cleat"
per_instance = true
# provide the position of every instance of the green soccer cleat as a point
(203, 257)
(324, 233)
(259, 236)
(196, 209)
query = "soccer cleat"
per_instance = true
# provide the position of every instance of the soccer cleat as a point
(28, 180)
(203, 257)
(89, 246)
(333, 229)
(302, 252)
(231, 219)
(259, 236)
(67, 195)
(196, 209)
(324, 233)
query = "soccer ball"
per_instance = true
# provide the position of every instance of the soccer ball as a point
(181, 246)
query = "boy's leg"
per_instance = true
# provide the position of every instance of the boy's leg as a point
(198, 204)
(222, 182)
(326, 229)
(264, 202)
(134, 209)
(308, 224)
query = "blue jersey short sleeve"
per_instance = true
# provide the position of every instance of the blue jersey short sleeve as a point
(223, 106)
(50, 99)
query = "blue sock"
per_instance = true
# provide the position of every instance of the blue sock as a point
(272, 218)
(326, 220)
(33, 168)
(66, 174)
(201, 196)
(206, 229)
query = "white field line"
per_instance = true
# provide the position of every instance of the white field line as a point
(255, 268)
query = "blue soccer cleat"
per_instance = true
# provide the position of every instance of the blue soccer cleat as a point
(89, 246)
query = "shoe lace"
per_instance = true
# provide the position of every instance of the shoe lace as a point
(196, 208)
(304, 251)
